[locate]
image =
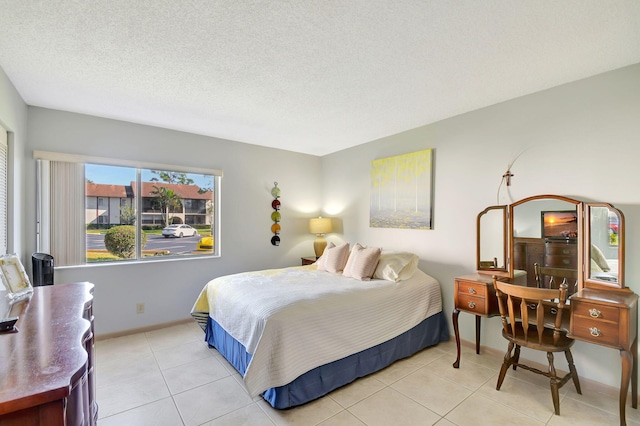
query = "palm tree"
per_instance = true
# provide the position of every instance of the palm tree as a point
(167, 198)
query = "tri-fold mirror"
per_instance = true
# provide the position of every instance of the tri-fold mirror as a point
(545, 240)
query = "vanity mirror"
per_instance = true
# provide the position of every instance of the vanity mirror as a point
(492, 241)
(545, 241)
(566, 238)
(604, 248)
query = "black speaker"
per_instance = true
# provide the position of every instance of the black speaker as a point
(42, 269)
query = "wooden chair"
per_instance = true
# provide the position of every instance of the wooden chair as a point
(489, 264)
(556, 277)
(523, 320)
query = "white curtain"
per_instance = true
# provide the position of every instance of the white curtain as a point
(4, 157)
(67, 233)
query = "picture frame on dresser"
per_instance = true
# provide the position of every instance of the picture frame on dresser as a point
(14, 277)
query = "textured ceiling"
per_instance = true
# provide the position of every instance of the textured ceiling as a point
(312, 76)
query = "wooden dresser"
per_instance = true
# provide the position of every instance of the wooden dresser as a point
(46, 366)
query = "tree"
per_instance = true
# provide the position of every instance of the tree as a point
(127, 214)
(172, 177)
(166, 198)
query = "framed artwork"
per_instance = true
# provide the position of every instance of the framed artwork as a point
(401, 191)
(14, 277)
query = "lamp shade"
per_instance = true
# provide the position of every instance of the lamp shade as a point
(320, 225)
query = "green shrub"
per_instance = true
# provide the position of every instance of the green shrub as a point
(121, 241)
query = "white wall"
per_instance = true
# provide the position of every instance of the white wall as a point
(168, 289)
(582, 140)
(13, 117)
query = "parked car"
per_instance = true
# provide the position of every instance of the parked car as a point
(179, 231)
(205, 243)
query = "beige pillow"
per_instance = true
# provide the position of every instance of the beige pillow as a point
(362, 262)
(396, 266)
(322, 256)
(334, 258)
(598, 257)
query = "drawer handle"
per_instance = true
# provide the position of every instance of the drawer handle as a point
(594, 313)
(472, 305)
(553, 311)
(472, 290)
(565, 251)
(566, 261)
(594, 332)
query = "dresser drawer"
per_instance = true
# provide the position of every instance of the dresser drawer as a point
(596, 331)
(472, 288)
(472, 304)
(598, 313)
(556, 261)
(596, 323)
(562, 249)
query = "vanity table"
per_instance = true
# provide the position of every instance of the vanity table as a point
(557, 231)
(47, 370)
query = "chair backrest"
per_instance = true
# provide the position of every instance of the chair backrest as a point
(556, 276)
(515, 303)
(489, 263)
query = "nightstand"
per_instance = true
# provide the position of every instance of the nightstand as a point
(308, 260)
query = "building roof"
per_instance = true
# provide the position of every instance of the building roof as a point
(188, 192)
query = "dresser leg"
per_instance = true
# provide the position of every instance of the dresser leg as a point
(627, 367)
(454, 317)
(477, 334)
(634, 374)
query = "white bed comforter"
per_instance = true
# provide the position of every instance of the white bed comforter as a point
(295, 319)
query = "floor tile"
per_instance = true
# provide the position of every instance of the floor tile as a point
(134, 344)
(343, 418)
(390, 407)
(478, 410)
(210, 401)
(251, 415)
(112, 370)
(311, 413)
(193, 374)
(428, 388)
(356, 391)
(131, 393)
(171, 336)
(172, 356)
(159, 413)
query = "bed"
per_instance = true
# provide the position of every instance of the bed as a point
(295, 334)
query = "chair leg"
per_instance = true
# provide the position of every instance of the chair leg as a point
(505, 366)
(554, 384)
(572, 370)
(516, 357)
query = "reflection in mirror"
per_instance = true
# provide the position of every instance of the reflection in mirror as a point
(605, 246)
(491, 250)
(545, 231)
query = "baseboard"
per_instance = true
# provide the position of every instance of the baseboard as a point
(142, 329)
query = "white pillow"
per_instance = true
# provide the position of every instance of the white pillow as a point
(396, 266)
(334, 258)
(362, 262)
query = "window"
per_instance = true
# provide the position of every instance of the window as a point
(102, 211)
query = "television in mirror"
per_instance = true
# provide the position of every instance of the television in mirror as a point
(561, 224)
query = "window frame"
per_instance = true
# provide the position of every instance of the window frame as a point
(138, 166)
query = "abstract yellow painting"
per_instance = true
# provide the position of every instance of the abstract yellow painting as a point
(401, 191)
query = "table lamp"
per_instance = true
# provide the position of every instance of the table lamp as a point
(320, 226)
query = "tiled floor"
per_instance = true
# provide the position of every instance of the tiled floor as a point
(170, 377)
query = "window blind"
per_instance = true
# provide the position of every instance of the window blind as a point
(4, 158)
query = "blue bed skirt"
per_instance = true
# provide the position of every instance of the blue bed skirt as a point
(324, 379)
